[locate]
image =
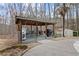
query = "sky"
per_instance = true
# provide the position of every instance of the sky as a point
(3, 8)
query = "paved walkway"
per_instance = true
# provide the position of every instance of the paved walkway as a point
(54, 48)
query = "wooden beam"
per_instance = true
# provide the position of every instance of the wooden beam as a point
(32, 22)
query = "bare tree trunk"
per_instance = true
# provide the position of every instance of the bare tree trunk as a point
(63, 20)
(77, 16)
(67, 24)
(63, 25)
(73, 28)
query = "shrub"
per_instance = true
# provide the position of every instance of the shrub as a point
(78, 33)
(75, 33)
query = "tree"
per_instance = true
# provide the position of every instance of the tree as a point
(62, 11)
(77, 15)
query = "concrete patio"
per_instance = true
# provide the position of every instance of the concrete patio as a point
(63, 47)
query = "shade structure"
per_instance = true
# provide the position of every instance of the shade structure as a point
(25, 21)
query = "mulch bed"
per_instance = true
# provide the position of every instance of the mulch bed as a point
(14, 50)
(17, 50)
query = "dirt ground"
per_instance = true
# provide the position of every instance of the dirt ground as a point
(4, 43)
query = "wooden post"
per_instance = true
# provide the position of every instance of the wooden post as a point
(36, 31)
(31, 30)
(19, 32)
(41, 29)
(26, 29)
(53, 30)
(46, 30)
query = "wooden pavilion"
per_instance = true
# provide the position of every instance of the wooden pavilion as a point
(25, 21)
